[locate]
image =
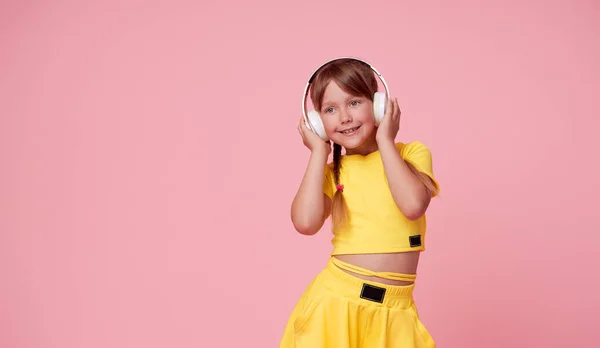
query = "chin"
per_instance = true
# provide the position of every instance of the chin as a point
(352, 142)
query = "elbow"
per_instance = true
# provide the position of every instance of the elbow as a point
(414, 214)
(305, 224)
(306, 228)
(415, 210)
(414, 205)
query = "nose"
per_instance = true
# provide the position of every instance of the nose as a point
(345, 117)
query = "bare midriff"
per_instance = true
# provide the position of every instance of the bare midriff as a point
(404, 262)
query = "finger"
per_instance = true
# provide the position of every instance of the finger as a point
(303, 126)
(302, 135)
(391, 109)
(387, 113)
(396, 108)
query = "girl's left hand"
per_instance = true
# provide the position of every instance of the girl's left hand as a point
(389, 126)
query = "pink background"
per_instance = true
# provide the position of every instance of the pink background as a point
(149, 155)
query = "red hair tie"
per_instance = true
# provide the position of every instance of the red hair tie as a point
(340, 187)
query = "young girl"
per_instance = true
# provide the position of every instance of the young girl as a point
(377, 194)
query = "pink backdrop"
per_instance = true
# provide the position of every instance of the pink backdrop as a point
(149, 155)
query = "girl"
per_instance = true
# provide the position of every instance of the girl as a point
(377, 194)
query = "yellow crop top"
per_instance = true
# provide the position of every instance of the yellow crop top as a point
(375, 224)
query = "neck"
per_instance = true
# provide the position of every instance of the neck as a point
(369, 146)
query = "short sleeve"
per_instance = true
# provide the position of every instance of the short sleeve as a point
(417, 154)
(328, 182)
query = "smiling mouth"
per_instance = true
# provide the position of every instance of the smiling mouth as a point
(350, 131)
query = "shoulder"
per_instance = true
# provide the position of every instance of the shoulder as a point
(411, 148)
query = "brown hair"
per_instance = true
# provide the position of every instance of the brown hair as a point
(355, 78)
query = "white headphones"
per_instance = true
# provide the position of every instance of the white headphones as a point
(313, 119)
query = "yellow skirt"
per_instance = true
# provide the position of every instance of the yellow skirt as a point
(338, 310)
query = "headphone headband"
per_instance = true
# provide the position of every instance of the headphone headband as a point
(310, 80)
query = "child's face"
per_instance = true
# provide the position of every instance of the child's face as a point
(348, 119)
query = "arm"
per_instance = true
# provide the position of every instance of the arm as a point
(411, 196)
(311, 206)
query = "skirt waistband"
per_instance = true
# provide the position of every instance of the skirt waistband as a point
(352, 286)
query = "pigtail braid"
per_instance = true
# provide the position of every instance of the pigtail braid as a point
(339, 212)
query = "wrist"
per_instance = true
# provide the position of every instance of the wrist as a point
(385, 142)
(320, 153)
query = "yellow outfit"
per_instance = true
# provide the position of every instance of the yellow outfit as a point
(339, 310)
(375, 224)
(332, 314)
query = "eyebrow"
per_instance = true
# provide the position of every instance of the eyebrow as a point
(326, 102)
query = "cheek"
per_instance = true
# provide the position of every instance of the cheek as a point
(368, 128)
(328, 124)
(365, 116)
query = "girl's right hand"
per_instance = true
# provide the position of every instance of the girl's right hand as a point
(312, 140)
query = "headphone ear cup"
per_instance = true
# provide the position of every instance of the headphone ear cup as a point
(316, 124)
(379, 106)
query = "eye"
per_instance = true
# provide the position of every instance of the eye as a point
(355, 102)
(328, 110)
